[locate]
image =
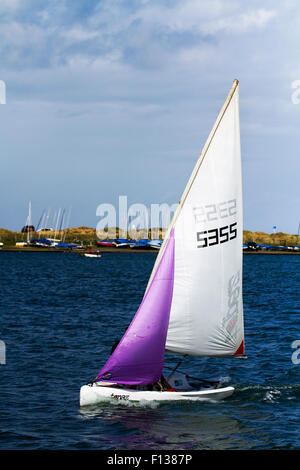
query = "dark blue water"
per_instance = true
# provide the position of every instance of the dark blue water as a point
(60, 314)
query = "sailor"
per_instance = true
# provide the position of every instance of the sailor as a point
(163, 385)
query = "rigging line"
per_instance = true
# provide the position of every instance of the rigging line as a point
(178, 364)
(211, 382)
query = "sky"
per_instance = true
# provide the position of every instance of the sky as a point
(117, 97)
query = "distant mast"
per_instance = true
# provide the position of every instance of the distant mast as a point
(29, 222)
(298, 234)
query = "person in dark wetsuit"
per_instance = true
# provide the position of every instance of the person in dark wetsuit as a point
(162, 385)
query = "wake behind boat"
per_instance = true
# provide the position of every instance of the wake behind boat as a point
(193, 302)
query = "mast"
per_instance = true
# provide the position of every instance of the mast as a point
(39, 225)
(47, 218)
(28, 221)
(57, 221)
(62, 222)
(67, 223)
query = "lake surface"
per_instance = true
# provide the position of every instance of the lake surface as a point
(60, 314)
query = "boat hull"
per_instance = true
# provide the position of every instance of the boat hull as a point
(89, 255)
(92, 394)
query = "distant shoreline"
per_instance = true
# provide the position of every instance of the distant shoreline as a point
(77, 251)
(127, 250)
(88, 237)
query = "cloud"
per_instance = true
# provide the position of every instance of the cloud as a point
(79, 34)
(142, 34)
(241, 22)
(205, 17)
(130, 86)
(9, 6)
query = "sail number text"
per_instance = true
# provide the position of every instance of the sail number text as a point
(211, 212)
(217, 235)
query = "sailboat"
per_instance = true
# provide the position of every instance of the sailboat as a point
(193, 303)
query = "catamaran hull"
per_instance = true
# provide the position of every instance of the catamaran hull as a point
(90, 395)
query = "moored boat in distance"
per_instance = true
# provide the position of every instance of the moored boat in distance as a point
(92, 254)
(106, 243)
(193, 303)
(21, 244)
(155, 244)
(140, 244)
(122, 243)
(40, 243)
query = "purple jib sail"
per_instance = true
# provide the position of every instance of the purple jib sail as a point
(139, 357)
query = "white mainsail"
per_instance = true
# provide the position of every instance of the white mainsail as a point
(206, 316)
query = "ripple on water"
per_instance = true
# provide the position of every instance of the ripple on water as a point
(60, 316)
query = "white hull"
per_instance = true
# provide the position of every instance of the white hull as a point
(92, 394)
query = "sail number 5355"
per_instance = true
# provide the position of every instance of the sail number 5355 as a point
(217, 235)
